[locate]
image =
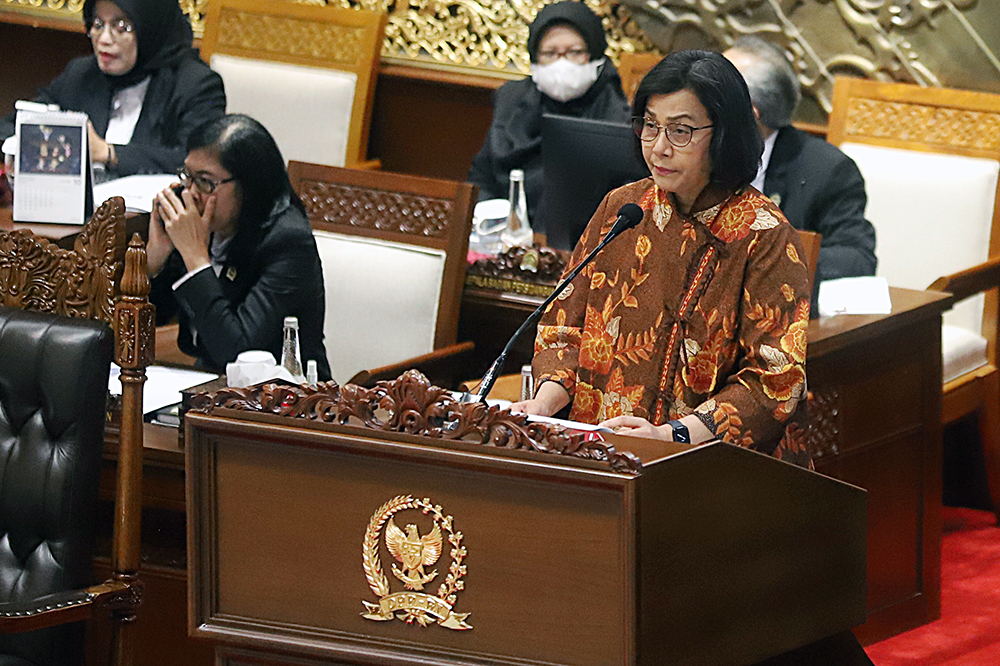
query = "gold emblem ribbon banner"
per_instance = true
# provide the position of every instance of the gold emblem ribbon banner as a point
(387, 606)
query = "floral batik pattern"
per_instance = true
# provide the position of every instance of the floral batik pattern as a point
(701, 314)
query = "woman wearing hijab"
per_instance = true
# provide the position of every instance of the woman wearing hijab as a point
(570, 76)
(144, 89)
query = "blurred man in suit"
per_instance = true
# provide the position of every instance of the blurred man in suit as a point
(817, 187)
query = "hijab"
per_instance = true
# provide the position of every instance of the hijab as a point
(162, 32)
(575, 14)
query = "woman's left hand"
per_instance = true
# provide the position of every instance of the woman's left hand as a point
(99, 151)
(638, 427)
(187, 228)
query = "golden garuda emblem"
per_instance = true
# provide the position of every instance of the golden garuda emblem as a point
(416, 553)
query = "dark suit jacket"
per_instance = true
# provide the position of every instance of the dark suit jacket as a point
(820, 189)
(178, 100)
(245, 306)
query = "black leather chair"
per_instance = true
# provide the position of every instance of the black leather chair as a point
(53, 388)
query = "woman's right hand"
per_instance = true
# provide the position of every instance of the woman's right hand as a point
(550, 398)
(186, 227)
(159, 246)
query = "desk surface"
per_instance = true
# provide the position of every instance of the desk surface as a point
(826, 335)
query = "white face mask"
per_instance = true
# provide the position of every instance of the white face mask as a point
(563, 80)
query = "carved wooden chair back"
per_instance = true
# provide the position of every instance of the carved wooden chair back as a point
(633, 67)
(306, 72)
(98, 279)
(394, 250)
(931, 159)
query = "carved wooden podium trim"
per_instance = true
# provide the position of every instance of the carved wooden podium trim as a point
(410, 404)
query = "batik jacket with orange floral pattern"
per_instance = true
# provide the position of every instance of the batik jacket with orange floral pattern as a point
(678, 315)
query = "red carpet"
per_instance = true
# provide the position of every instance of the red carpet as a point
(968, 633)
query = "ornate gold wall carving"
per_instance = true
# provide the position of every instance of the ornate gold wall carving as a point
(952, 43)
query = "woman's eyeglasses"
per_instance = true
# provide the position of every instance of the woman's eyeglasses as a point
(200, 183)
(578, 56)
(118, 28)
(678, 134)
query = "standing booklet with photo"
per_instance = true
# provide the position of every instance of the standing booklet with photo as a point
(52, 168)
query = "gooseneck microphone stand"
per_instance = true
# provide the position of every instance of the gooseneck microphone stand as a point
(629, 216)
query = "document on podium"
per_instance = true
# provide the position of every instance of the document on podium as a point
(51, 168)
(163, 385)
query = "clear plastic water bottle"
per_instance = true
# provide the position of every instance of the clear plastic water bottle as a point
(518, 232)
(291, 357)
(527, 383)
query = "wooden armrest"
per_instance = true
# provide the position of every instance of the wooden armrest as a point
(63, 607)
(444, 362)
(971, 281)
(366, 165)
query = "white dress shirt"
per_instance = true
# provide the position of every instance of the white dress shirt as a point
(126, 105)
(765, 158)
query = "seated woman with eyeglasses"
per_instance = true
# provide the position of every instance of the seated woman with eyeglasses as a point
(231, 252)
(692, 325)
(144, 88)
(570, 76)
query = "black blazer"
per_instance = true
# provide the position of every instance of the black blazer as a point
(245, 306)
(178, 99)
(820, 189)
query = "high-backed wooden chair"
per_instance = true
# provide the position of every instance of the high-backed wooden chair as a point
(306, 72)
(99, 279)
(633, 67)
(394, 250)
(931, 158)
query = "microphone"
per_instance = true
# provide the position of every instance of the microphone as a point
(629, 216)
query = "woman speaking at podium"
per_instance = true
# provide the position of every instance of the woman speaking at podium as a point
(232, 253)
(144, 88)
(692, 325)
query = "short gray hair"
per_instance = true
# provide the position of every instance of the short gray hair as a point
(773, 86)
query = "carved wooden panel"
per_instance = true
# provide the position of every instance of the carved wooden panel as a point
(823, 433)
(369, 208)
(529, 271)
(36, 274)
(285, 35)
(939, 126)
(412, 405)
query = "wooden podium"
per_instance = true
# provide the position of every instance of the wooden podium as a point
(538, 547)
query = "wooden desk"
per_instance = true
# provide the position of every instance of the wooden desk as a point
(278, 509)
(874, 422)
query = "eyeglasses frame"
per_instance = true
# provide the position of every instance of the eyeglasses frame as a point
(639, 122)
(118, 28)
(577, 56)
(188, 180)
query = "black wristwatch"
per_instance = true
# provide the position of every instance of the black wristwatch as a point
(679, 432)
